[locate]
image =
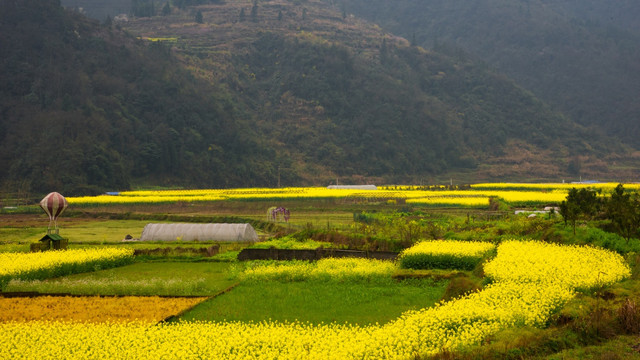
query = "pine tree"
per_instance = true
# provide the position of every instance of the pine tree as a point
(384, 51)
(254, 12)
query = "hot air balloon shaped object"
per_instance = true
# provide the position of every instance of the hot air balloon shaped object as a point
(54, 205)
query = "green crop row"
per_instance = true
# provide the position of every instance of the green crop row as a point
(44, 265)
(445, 254)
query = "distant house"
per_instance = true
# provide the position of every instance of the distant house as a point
(353, 187)
(586, 182)
(121, 18)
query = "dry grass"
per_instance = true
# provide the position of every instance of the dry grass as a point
(629, 317)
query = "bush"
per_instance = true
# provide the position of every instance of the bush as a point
(459, 286)
(611, 241)
(629, 317)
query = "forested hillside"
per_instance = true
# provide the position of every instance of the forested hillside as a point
(582, 57)
(100, 9)
(86, 108)
(229, 94)
(365, 101)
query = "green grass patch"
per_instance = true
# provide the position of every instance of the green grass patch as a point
(107, 231)
(19, 234)
(158, 278)
(619, 348)
(318, 302)
(434, 274)
(229, 256)
(14, 247)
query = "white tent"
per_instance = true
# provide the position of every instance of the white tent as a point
(200, 232)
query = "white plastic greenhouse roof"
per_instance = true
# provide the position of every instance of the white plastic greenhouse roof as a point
(353, 187)
(200, 232)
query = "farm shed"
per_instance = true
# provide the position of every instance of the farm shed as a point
(353, 187)
(200, 232)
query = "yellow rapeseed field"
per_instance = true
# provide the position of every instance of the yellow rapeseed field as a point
(445, 254)
(478, 195)
(553, 186)
(412, 195)
(42, 265)
(578, 267)
(450, 325)
(323, 269)
(511, 300)
(148, 309)
(450, 247)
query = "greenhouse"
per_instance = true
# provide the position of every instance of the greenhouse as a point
(199, 232)
(352, 187)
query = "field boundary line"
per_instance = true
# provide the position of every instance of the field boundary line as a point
(176, 316)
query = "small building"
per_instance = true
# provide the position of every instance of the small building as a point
(50, 242)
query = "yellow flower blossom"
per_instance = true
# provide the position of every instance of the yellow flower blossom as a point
(43, 265)
(578, 267)
(444, 254)
(523, 293)
(478, 195)
(328, 269)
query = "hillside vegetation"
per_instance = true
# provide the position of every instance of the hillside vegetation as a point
(581, 57)
(337, 91)
(230, 94)
(87, 108)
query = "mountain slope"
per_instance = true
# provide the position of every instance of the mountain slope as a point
(277, 93)
(368, 103)
(85, 109)
(582, 57)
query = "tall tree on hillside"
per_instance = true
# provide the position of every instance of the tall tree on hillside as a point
(166, 9)
(384, 51)
(143, 8)
(254, 12)
(199, 19)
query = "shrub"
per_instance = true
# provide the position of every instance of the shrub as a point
(629, 317)
(459, 286)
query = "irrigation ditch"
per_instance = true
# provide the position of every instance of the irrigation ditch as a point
(320, 253)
